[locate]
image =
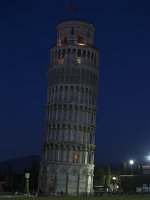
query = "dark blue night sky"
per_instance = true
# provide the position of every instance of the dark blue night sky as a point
(28, 31)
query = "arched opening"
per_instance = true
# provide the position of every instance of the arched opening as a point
(51, 185)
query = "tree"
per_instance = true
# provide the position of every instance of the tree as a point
(123, 167)
(108, 178)
(99, 175)
(34, 173)
(9, 179)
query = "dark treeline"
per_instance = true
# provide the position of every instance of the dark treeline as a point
(104, 176)
(15, 182)
(11, 181)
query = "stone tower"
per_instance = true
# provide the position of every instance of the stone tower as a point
(68, 151)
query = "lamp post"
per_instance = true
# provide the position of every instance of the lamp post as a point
(114, 183)
(114, 178)
(131, 162)
(27, 176)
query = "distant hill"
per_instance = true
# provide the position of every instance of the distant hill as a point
(19, 164)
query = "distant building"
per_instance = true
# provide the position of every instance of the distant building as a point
(68, 152)
(2, 186)
(146, 169)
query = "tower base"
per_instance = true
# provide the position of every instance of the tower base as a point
(65, 179)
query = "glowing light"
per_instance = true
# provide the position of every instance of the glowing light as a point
(148, 158)
(114, 178)
(81, 44)
(61, 61)
(131, 162)
(78, 60)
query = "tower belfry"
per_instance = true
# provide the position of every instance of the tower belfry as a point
(68, 151)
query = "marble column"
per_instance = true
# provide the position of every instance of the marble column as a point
(78, 184)
(67, 183)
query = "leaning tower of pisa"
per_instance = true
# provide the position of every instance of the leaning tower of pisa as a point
(67, 163)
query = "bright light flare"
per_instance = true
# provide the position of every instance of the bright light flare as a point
(131, 162)
(81, 44)
(148, 158)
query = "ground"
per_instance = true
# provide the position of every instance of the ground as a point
(125, 197)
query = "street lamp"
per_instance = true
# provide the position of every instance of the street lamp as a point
(114, 183)
(27, 176)
(114, 178)
(131, 162)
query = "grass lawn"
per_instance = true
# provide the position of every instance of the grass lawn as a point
(125, 197)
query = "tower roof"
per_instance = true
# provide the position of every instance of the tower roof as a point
(87, 23)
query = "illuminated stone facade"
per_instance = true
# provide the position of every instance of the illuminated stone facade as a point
(68, 152)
